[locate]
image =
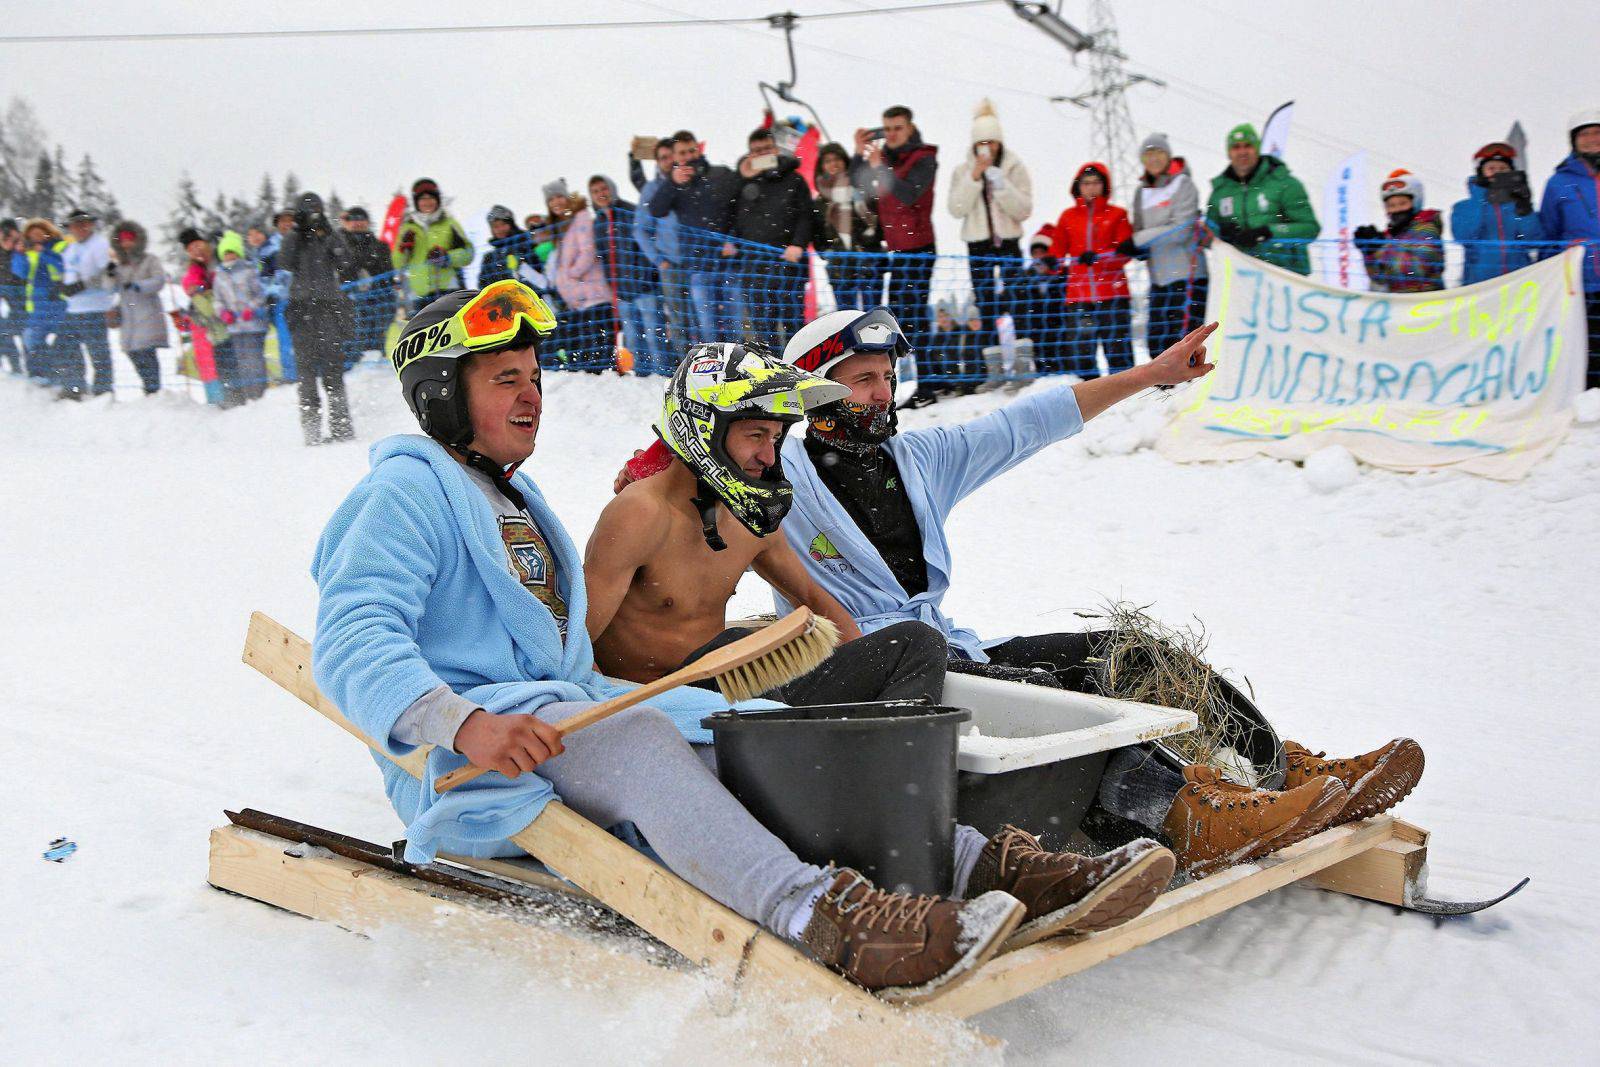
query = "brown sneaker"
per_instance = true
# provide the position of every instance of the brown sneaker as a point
(905, 948)
(1068, 893)
(1376, 781)
(1214, 823)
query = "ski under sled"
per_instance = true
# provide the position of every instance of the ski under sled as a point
(617, 917)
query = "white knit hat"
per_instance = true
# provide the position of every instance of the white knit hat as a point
(985, 124)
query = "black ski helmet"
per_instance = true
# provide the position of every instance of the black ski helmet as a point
(431, 383)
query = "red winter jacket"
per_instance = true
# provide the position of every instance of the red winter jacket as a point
(1092, 226)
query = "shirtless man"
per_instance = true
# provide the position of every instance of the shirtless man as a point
(659, 590)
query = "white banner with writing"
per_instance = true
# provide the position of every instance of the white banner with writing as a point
(1479, 378)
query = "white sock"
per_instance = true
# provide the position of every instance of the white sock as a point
(804, 908)
(969, 845)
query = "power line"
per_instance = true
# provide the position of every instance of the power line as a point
(402, 31)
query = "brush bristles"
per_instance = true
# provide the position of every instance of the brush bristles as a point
(798, 656)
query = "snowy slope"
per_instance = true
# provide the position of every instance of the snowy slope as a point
(137, 537)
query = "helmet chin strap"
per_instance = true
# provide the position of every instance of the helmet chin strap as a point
(496, 473)
(706, 503)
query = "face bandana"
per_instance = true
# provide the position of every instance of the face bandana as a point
(856, 428)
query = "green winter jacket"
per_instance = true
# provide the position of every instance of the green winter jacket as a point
(425, 278)
(1273, 198)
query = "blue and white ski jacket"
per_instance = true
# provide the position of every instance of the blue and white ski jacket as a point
(415, 592)
(940, 466)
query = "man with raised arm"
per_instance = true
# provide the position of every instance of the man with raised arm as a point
(868, 519)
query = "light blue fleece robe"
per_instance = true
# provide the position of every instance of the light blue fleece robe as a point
(939, 466)
(415, 592)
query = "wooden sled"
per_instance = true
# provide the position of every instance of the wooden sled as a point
(1378, 859)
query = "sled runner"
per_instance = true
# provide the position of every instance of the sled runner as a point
(634, 916)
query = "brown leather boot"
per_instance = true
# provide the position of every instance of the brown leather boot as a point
(1068, 893)
(1214, 823)
(1376, 781)
(906, 948)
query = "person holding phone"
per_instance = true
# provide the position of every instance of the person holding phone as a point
(775, 218)
(992, 194)
(705, 198)
(898, 171)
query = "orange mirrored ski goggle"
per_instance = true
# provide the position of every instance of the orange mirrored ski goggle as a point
(496, 315)
(490, 319)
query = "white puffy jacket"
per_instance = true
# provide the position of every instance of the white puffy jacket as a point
(1010, 198)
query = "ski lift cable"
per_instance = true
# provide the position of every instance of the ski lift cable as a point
(398, 31)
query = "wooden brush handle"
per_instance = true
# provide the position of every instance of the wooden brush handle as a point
(784, 633)
(603, 710)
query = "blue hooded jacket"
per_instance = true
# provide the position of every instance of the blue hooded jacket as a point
(941, 466)
(1570, 212)
(1483, 228)
(415, 592)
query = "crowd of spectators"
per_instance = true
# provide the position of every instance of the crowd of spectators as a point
(749, 250)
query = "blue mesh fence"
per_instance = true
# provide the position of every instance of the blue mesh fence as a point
(974, 322)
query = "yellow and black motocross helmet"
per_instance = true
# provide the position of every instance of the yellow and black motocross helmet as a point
(715, 386)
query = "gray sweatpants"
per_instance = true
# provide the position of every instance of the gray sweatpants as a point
(636, 767)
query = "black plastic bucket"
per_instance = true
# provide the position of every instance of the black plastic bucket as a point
(869, 786)
(1048, 800)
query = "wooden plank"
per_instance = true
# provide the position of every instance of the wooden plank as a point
(285, 657)
(665, 906)
(361, 897)
(1386, 873)
(1404, 831)
(1018, 973)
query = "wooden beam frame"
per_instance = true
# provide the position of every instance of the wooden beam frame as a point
(1379, 859)
(710, 935)
(362, 898)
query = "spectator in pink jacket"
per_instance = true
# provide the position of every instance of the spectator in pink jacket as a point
(587, 332)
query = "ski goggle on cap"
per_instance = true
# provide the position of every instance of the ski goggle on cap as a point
(491, 319)
(875, 331)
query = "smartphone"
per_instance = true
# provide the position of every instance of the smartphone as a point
(875, 134)
(984, 151)
(761, 163)
(644, 148)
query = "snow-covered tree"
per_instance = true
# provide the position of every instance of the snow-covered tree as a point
(66, 183)
(22, 142)
(266, 202)
(40, 195)
(93, 193)
(186, 212)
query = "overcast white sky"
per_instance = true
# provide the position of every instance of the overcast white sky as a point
(491, 117)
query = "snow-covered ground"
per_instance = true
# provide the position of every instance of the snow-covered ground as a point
(136, 537)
